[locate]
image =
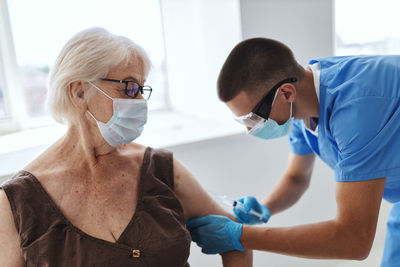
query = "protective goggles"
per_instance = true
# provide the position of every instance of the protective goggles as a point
(262, 110)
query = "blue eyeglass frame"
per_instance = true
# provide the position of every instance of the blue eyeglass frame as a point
(141, 88)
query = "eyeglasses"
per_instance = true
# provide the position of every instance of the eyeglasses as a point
(133, 88)
(262, 110)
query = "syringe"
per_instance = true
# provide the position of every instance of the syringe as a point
(236, 204)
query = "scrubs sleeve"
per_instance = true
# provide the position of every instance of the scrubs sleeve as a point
(298, 144)
(366, 132)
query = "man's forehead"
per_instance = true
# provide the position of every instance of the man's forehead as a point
(241, 104)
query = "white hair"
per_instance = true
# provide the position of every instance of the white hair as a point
(88, 56)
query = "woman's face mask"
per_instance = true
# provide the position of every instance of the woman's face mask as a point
(127, 122)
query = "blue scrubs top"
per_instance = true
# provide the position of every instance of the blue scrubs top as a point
(359, 120)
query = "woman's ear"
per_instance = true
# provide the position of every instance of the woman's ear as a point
(289, 90)
(77, 96)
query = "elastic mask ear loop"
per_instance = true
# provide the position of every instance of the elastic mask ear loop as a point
(103, 94)
(91, 115)
(273, 101)
(100, 90)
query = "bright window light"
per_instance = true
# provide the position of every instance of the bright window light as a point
(367, 27)
(40, 29)
(3, 113)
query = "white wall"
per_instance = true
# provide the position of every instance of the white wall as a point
(199, 35)
(306, 26)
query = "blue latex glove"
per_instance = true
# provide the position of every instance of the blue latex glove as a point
(250, 202)
(215, 234)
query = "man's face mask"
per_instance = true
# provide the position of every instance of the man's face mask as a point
(270, 129)
(258, 120)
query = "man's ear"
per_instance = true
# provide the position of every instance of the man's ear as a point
(77, 96)
(289, 90)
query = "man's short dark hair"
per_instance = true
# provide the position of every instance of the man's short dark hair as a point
(254, 65)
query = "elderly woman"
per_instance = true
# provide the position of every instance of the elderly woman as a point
(94, 198)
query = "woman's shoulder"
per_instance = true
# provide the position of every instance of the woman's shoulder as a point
(9, 234)
(147, 152)
(47, 162)
(20, 179)
(18, 191)
(155, 163)
(20, 188)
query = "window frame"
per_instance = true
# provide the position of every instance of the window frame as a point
(9, 72)
(17, 118)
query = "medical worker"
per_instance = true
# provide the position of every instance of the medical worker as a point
(345, 110)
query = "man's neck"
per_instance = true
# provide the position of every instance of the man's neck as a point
(307, 105)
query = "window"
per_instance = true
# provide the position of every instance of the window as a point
(187, 38)
(367, 27)
(3, 113)
(41, 28)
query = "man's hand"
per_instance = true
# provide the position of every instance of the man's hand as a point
(245, 216)
(215, 234)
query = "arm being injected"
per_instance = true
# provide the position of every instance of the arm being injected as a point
(239, 206)
(246, 210)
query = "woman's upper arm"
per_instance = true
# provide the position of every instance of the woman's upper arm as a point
(10, 250)
(195, 200)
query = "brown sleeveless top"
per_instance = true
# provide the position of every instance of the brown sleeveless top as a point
(155, 236)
